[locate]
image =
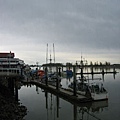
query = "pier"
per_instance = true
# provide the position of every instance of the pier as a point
(71, 94)
(63, 93)
(67, 94)
(103, 72)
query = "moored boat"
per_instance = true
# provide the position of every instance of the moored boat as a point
(52, 79)
(94, 90)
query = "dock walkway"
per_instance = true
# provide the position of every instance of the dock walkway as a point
(61, 92)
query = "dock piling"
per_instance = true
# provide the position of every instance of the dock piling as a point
(57, 81)
(59, 71)
(74, 73)
(46, 81)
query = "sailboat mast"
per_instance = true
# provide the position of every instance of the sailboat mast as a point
(47, 54)
(54, 52)
(50, 57)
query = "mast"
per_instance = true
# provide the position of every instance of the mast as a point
(54, 52)
(50, 62)
(47, 54)
(50, 57)
(50, 54)
(81, 62)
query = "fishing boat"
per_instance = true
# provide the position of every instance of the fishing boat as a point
(52, 79)
(95, 90)
(89, 88)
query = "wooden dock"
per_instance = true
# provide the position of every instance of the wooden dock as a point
(114, 72)
(61, 92)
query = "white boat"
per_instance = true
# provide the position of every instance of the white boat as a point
(94, 90)
(89, 88)
(98, 92)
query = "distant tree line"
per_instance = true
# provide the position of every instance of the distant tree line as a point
(91, 63)
(100, 63)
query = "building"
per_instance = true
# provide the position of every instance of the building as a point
(9, 65)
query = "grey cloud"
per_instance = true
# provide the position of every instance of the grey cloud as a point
(76, 24)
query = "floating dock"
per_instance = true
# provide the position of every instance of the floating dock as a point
(114, 72)
(61, 92)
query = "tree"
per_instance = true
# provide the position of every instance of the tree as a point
(91, 63)
(101, 63)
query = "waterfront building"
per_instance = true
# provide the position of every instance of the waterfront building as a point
(9, 65)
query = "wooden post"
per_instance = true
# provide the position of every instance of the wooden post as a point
(103, 72)
(103, 77)
(92, 70)
(46, 80)
(114, 70)
(82, 74)
(74, 73)
(57, 81)
(46, 95)
(75, 111)
(62, 68)
(57, 106)
(59, 71)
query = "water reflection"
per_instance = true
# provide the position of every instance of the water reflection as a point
(80, 111)
(51, 106)
(90, 110)
(43, 105)
(57, 108)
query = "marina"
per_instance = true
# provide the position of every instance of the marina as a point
(46, 105)
(78, 91)
(74, 94)
(72, 84)
(91, 93)
(59, 60)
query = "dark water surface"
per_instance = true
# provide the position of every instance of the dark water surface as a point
(42, 105)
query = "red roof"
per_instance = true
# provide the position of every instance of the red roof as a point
(7, 55)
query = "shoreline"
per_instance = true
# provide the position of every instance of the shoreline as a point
(10, 109)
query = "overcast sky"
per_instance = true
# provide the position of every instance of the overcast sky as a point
(90, 27)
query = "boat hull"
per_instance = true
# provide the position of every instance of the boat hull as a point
(94, 96)
(99, 96)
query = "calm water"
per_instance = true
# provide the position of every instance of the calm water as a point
(46, 106)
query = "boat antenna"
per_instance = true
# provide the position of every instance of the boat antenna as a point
(50, 57)
(81, 62)
(54, 52)
(47, 54)
(81, 55)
